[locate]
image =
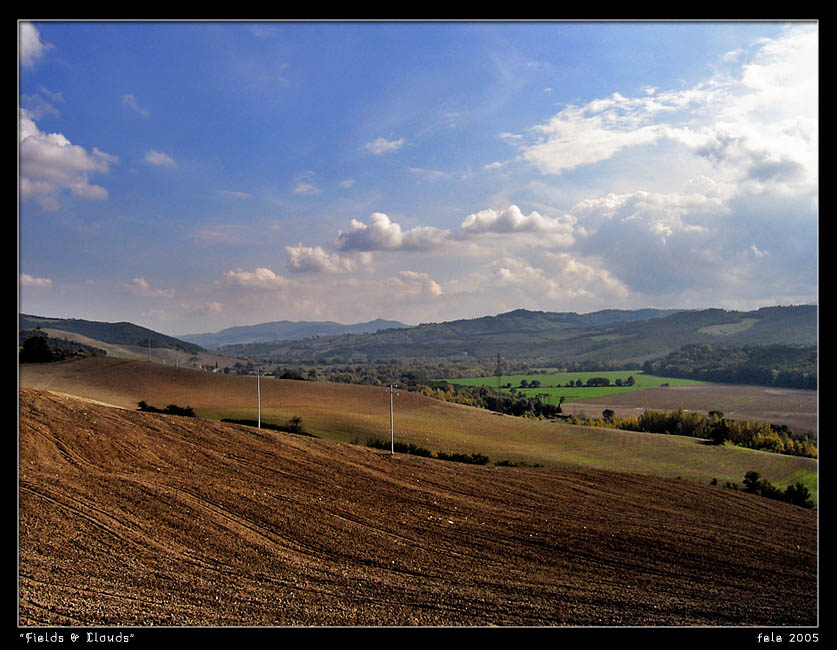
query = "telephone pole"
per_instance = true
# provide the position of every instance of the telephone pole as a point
(259, 395)
(391, 390)
(499, 373)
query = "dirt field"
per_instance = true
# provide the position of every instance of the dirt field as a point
(130, 518)
(796, 408)
(347, 412)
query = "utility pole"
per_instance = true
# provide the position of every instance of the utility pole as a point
(392, 420)
(499, 372)
(259, 395)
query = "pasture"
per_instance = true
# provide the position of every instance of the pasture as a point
(554, 386)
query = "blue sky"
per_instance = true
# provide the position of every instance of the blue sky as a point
(194, 176)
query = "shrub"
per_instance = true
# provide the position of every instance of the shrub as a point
(171, 409)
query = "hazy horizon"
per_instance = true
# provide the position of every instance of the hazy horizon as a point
(194, 176)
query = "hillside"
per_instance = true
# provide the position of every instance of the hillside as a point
(284, 330)
(129, 518)
(346, 412)
(553, 339)
(122, 333)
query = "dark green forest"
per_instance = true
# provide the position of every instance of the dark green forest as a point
(782, 366)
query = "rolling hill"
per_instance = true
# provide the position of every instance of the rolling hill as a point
(141, 519)
(122, 333)
(284, 330)
(552, 339)
(347, 412)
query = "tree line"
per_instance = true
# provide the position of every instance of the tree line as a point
(37, 347)
(714, 427)
(797, 494)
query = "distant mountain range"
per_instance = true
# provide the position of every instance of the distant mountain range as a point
(284, 331)
(610, 336)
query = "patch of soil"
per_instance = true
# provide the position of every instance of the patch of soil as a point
(131, 518)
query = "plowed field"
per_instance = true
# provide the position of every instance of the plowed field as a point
(129, 518)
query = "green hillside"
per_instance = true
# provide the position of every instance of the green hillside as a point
(555, 339)
(121, 333)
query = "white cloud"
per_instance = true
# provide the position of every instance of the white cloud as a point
(760, 123)
(262, 279)
(129, 100)
(32, 48)
(40, 107)
(50, 164)
(306, 189)
(412, 283)
(512, 220)
(29, 281)
(383, 234)
(583, 136)
(381, 146)
(140, 287)
(159, 159)
(316, 260)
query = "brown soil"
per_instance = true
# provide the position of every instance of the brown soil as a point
(130, 518)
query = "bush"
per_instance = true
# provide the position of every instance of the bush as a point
(410, 448)
(797, 494)
(171, 409)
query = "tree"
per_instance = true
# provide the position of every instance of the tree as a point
(36, 350)
(752, 481)
(607, 415)
(294, 425)
(798, 495)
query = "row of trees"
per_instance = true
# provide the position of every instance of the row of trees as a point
(713, 427)
(38, 347)
(797, 494)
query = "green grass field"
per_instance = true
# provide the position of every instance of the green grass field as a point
(554, 386)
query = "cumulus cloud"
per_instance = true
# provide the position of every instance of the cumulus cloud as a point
(512, 220)
(382, 146)
(262, 279)
(381, 233)
(50, 164)
(413, 283)
(31, 48)
(308, 259)
(545, 280)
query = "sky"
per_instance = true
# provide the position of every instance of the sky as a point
(192, 176)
